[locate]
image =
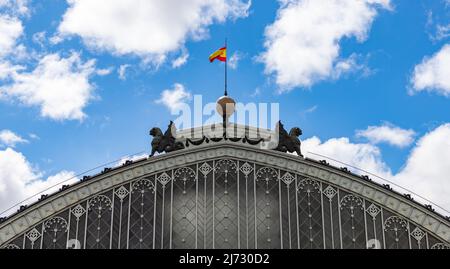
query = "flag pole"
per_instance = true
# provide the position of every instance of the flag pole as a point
(226, 67)
(224, 116)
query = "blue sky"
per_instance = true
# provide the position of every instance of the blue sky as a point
(373, 69)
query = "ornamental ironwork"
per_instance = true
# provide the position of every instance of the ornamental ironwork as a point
(396, 232)
(33, 237)
(440, 246)
(55, 225)
(11, 246)
(288, 178)
(121, 193)
(226, 166)
(205, 169)
(329, 192)
(225, 203)
(164, 179)
(78, 211)
(418, 234)
(373, 210)
(246, 169)
(143, 185)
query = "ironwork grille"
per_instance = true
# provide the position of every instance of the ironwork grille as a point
(226, 203)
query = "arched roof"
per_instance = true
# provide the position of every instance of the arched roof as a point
(421, 216)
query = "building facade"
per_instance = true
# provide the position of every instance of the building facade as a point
(225, 193)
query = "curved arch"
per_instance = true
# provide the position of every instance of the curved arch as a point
(143, 185)
(309, 185)
(225, 166)
(11, 246)
(237, 169)
(440, 246)
(184, 174)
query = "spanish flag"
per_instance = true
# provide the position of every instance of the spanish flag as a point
(220, 55)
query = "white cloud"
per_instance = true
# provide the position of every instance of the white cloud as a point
(351, 65)
(10, 139)
(175, 98)
(256, 92)
(59, 86)
(234, 60)
(122, 71)
(311, 109)
(56, 39)
(363, 156)
(147, 28)
(21, 54)
(40, 38)
(303, 44)
(425, 171)
(7, 70)
(436, 28)
(388, 133)
(10, 30)
(447, 3)
(16, 7)
(105, 71)
(20, 180)
(181, 60)
(433, 74)
(442, 32)
(34, 136)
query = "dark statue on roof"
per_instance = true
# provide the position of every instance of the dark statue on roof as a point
(165, 142)
(289, 142)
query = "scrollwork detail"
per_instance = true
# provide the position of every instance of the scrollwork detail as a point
(351, 202)
(184, 174)
(440, 246)
(396, 224)
(100, 203)
(11, 246)
(142, 185)
(308, 185)
(226, 166)
(266, 174)
(55, 225)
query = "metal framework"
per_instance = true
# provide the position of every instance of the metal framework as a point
(225, 202)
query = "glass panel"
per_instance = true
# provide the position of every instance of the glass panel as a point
(99, 222)
(310, 214)
(184, 208)
(396, 232)
(352, 221)
(141, 213)
(225, 205)
(55, 232)
(267, 208)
